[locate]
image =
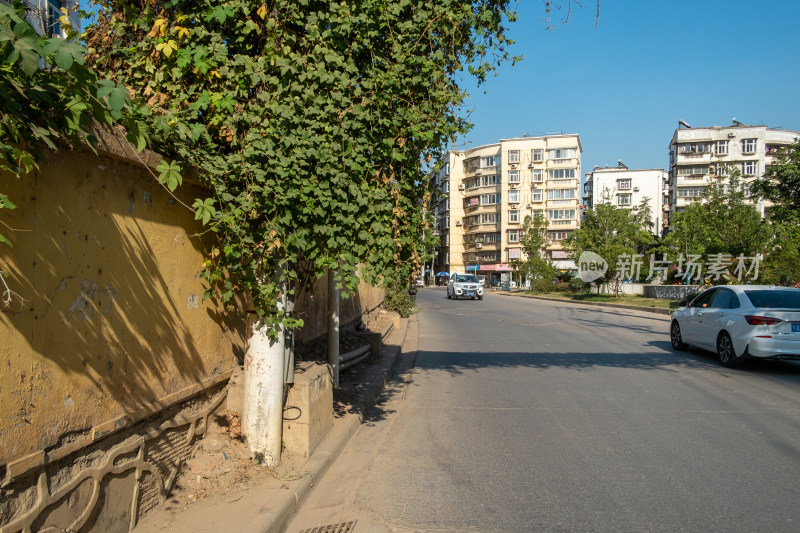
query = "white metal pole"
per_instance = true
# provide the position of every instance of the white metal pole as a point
(262, 413)
(333, 326)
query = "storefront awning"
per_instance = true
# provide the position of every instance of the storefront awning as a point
(496, 268)
(565, 265)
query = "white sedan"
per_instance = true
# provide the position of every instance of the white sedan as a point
(739, 322)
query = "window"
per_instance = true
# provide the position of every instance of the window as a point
(560, 173)
(560, 194)
(537, 154)
(561, 153)
(513, 176)
(693, 170)
(694, 148)
(721, 169)
(623, 184)
(514, 253)
(690, 192)
(748, 146)
(513, 197)
(536, 195)
(537, 176)
(513, 236)
(722, 147)
(557, 235)
(490, 199)
(488, 161)
(561, 214)
(487, 181)
(53, 28)
(513, 156)
(623, 199)
(513, 215)
(489, 218)
(750, 168)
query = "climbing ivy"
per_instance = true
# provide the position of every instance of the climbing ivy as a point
(51, 99)
(309, 120)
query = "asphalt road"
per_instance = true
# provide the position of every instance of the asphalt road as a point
(526, 415)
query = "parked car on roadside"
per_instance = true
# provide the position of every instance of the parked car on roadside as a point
(464, 286)
(739, 322)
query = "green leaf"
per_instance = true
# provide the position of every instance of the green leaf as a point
(170, 174)
(5, 203)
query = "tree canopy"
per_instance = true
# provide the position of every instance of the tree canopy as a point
(610, 232)
(308, 119)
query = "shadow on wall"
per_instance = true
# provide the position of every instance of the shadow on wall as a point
(312, 306)
(109, 321)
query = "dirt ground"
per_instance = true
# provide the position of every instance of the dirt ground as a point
(221, 463)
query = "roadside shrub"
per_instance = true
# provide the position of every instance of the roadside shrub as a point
(398, 299)
(543, 285)
(578, 286)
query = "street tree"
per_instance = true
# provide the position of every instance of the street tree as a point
(723, 222)
(644, 215)
(781, 184)
(308, 120)
(533, 241)
(611, 233)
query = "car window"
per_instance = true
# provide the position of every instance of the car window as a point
(725, 299)
(775, 299)
(704, 300)
(467, 278)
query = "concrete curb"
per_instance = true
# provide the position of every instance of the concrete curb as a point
(656, 310)
(284, 508)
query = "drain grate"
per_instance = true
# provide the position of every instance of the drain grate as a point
(341, 527)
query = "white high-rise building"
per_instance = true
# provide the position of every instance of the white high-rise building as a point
(627, 188)
(698, 154)
(486, 193)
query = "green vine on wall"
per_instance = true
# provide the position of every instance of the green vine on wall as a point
(308, 119)
(50, 99)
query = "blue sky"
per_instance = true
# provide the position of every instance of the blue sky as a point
(623, 85)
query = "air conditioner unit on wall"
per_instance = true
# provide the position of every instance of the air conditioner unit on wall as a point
(636, 189)
(458, 222)
(513, 165)
(512, 185)
(461, 187)
(530, 165)
(478, 245)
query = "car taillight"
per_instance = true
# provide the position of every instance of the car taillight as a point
(755, 320)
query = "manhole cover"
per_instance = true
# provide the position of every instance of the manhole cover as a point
(341, 527)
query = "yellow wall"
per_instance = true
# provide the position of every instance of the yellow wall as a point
(312, 307)
(107, 322)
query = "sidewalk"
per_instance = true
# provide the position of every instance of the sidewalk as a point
(269, 504)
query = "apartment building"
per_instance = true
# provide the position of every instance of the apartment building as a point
(627, 188)
(44, 15)
(698, 154)
(486, 192)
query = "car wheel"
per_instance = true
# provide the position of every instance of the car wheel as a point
(448, 296)
(725, 352)
(675, 337)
